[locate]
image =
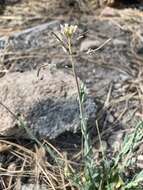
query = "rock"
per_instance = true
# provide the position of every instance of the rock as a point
(87, 44)
(29, 48)
(118, 42)
(3, 42)
(110, 118)
(109, 12)
(31, 38)
(115, 140)
(140, 161)
(11, 1)
(33, 187)
(48, 106)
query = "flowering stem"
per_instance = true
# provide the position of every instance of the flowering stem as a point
(83, 123)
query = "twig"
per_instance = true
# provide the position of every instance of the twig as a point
(92, 51)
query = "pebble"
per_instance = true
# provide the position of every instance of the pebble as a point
(89, 44)
(124, 77)
(118, 42)
(109, 12)
(33, 186)
(117, 85)
(115, 140)
(140, 161)
(110, 118)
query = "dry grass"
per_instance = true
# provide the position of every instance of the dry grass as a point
(33, 165)
(26, 163)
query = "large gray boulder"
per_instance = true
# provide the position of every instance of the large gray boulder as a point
(47, 105)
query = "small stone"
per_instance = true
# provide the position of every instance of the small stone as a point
(33, 186)
(118, 42)
(110, 118)
(115, 140)
(109, 12)
(124, 77)
(89, 44)
(117, 85)
(94, 71)
(140, 161)
(140, 158)
(88, 81)
(4, 147)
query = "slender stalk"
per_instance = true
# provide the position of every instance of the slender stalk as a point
(83, 122)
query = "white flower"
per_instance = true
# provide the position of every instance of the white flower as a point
(68, 30)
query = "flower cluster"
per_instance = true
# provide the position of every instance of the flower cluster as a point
(68, 30)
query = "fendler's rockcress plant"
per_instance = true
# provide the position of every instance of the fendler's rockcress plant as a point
(65, 37)
(109, 174)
